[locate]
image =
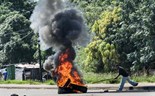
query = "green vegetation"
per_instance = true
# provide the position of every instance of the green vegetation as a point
(89, 78)
(31, 82)
(122, 33)
(18, 82)
(126, 24)
(107, 78)
(16, 37)
(144, 78)
(102, 55)
(18, 43)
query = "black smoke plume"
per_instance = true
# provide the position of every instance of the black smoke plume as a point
(55, 24)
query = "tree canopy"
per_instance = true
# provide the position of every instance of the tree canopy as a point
(15, 34)
(122, 33)
(127, 25)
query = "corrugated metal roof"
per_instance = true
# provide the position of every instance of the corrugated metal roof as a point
(27, 65)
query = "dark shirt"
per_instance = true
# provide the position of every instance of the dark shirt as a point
(123, 72)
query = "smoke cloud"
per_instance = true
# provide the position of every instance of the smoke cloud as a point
(55, 23)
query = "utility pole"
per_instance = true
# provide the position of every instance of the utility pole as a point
(39, 52)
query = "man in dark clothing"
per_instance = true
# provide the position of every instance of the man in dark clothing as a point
(125, 76)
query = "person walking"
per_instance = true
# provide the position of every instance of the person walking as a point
(125, 77)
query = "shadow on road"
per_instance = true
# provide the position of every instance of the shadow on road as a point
(114, 91)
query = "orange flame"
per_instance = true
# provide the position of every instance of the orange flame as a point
(65, 70)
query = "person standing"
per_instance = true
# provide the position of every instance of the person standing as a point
(125, 77)
(5, 74)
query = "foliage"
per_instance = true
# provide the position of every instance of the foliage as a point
(126, 24)
(24, 7)
(16, 37)
(92, 8)
(122, 32)
(136, 34)
(99, 55)
(107, 19)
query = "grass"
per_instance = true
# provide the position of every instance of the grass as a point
(100, 78)
(144, 78)
(18, 82)
(31, 82)
(108, 78)
(89, 78)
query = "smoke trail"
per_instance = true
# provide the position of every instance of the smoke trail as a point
(55, 23)
(49, 64)
(41, 18)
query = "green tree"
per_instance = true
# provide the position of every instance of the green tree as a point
(126, 24)
(92, 8)
(132, 33)
(138, 27)
(16, 37)
(101, 55)
(107, 55)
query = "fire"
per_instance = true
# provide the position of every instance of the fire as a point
(66, 71)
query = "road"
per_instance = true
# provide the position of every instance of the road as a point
(53, 92)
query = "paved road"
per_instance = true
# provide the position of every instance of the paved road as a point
(144, 89)
(53, 92)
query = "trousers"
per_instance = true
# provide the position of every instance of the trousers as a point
(124, 79)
